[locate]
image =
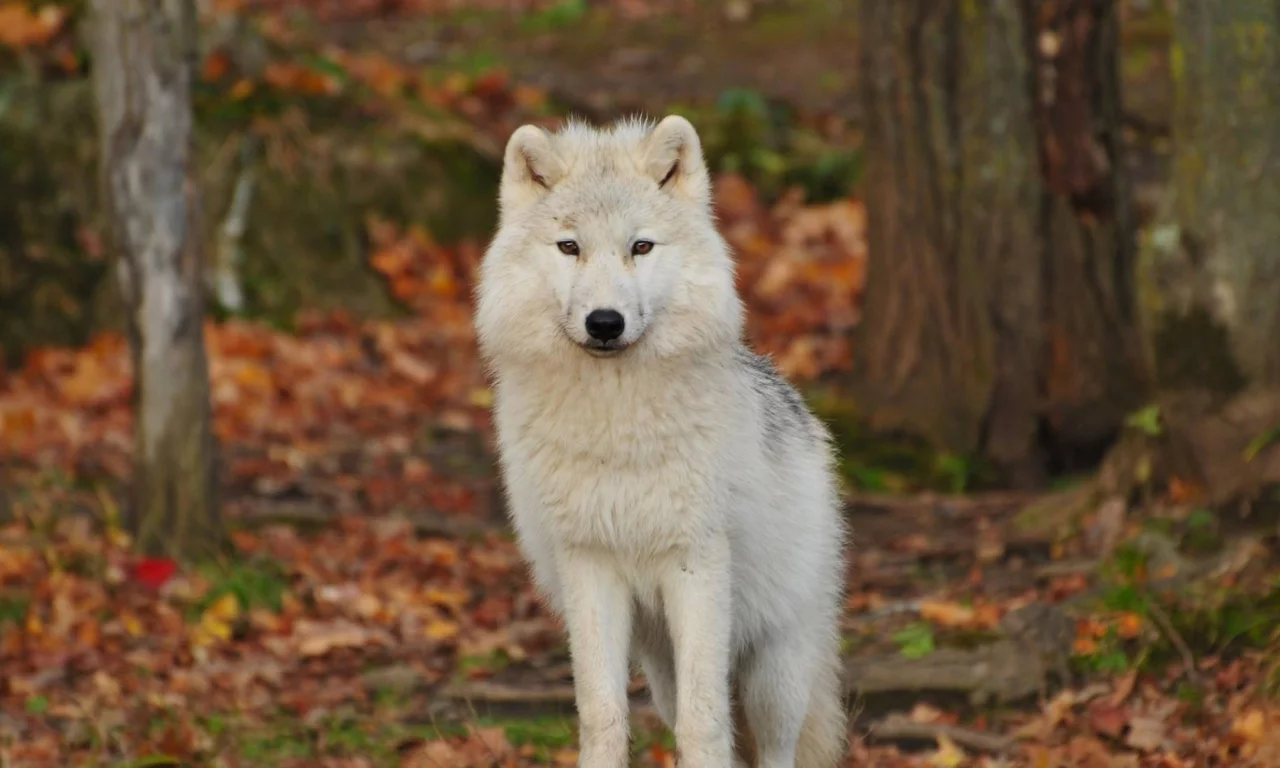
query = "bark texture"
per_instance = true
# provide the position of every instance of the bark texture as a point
(1211, 272)
(1209, 277)
(998, 317)
(144, 57)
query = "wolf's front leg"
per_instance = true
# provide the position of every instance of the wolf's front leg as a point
(696, 595)
(597, 613)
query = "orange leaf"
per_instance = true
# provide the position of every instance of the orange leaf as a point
(1129, 625)
(442, 283)
(1184, 491)
(441, 631)
(252, 376)
(946, 614)
(448, 598)
(15, 421)
(242, 89)
(20, 27)
(1084, 646)
(216, 66)
(1250, 727)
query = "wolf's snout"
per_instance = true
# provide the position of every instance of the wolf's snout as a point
(605, 324)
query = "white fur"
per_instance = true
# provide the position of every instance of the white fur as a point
(675, 499)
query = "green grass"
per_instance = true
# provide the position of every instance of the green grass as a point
(13, 608)
(545, 734)
(1211, 619)
(376, 736)
(563, 14)
(490, 662)
(257, 582)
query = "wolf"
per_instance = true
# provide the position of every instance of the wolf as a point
(672, 493)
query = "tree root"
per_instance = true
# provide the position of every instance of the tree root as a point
(899, 728)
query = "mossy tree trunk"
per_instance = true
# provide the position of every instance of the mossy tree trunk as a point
(998, 317)
(143, 63)
(1211, 271)
(1209, 277)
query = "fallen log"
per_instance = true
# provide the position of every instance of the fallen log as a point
(1035, 648)
(899, 728)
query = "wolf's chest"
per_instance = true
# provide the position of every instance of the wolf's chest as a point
(638, 477)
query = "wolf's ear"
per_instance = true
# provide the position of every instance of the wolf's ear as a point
(673, 158)
(530, 167)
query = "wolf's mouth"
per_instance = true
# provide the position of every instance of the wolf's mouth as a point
(604, 348)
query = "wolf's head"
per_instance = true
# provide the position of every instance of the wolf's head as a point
(606, 247)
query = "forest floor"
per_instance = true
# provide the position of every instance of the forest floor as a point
(375, 611)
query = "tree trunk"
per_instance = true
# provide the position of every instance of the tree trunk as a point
(1209, 278)
(1211, 269)
(143, 60)
(997, 319)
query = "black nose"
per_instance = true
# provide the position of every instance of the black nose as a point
(605, 324)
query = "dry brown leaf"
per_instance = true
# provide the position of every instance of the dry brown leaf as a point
(316, 638)
(1123, 688)
(947, 614)
(1146, 733)
(1250, 726)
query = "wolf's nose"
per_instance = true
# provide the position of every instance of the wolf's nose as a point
(605, 324)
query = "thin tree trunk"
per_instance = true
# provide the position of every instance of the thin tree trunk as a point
(144, 54)
(1211, 271)
(996, 306)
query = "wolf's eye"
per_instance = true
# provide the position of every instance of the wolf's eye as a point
(641, 247)
(568, 247)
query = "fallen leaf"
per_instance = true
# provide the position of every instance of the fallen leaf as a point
(569, 757)
(1129, 625)
(1107, 719)
(1250, 726)
(949, 754)
(215, 622)
(947, 614)
(432, 754)
(441, 631)
(316, 638)
(1123, 687)
(923, 713)
(1145, 733)
(25, 27)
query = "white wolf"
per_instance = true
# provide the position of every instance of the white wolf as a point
(672, 492)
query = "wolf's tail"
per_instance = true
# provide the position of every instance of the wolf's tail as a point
(824, 738)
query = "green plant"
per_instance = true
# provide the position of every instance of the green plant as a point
(258, 582)
(915, 640)
(1146, 420)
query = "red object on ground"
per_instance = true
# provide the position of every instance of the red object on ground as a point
(153, 572)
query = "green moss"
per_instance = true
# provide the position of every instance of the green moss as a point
(50, 289)
(871, 461)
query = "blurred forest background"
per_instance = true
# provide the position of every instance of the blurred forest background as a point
(1021, 255)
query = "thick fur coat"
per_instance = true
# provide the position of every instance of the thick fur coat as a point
(671, 491)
